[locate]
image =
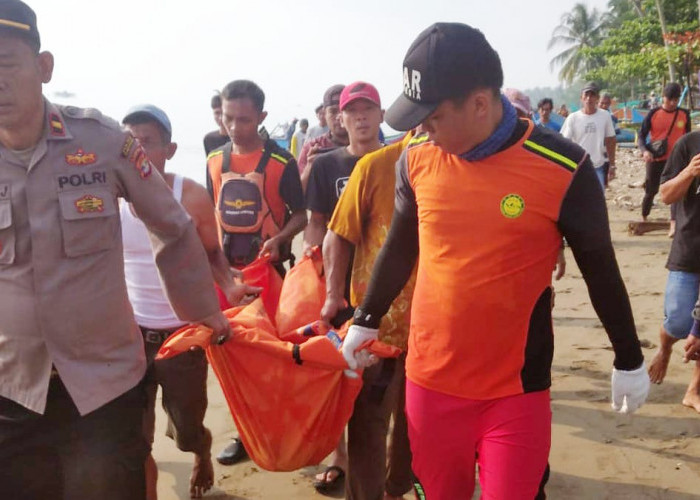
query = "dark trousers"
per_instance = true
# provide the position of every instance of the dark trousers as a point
(383, 395)
(183, 379)
(651, 184)
(64, 456)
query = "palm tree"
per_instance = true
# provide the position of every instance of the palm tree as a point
(578, 29)
(664, 31)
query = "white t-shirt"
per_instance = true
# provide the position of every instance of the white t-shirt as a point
(589, 132)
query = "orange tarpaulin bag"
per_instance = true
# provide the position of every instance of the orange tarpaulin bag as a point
(302, 297)
(290, 402)
(260, 273)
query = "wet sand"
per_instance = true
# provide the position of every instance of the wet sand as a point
(596, 453)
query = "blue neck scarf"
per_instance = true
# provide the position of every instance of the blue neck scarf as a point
(499, 137)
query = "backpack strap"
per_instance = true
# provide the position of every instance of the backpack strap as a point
(269, 148)
(226, 160)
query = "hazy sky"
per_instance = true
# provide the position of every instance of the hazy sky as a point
(174, 53)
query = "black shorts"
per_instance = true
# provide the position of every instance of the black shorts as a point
(64, 456)
(183, 380)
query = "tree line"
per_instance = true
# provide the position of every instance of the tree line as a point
(634, 47)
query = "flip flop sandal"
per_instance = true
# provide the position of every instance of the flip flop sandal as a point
(233, 453)
(332, 486)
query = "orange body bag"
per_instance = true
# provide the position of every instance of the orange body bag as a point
(290, 402)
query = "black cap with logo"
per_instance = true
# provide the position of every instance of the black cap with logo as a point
(446, 61)
(18, 19)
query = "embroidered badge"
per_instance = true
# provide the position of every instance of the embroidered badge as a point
(126, 148)
(57, 128)
(141, 162)
(512, 206)
(80, 158)
(239, 203)
(89, 204)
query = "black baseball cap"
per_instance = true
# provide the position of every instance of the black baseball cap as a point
(446, 61)
(591, 87)
(18, 19)
(332, 95)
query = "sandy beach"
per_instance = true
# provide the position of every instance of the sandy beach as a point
(596, 453)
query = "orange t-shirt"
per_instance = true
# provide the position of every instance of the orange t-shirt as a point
(282, 186)
(488, 241)
(660, 124)
(363, 217)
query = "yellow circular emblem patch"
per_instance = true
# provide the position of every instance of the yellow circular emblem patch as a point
(512, 206)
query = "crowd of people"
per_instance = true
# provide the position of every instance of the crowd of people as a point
(443, 244)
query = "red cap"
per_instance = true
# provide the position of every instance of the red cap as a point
(359, 90)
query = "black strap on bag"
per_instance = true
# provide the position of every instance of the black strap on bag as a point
(260, 168)
(659, 147)
(672, 123)
(269, 148)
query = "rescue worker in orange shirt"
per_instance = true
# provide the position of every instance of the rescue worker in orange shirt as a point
(487, 200)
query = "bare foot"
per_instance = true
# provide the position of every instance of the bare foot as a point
(659, 365)
(202, 478)
(692, 400)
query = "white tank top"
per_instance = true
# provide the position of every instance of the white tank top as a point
(146, 294)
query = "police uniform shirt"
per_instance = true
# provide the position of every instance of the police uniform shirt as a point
(64, 300)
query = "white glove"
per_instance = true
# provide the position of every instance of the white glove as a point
(629, 389)
(358, 335)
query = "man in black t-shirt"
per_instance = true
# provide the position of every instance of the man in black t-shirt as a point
(361, 115)
(216, 138)
(679, 184)
(333, 173)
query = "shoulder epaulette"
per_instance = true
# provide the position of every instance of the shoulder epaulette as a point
(550, 145)
(73, 112)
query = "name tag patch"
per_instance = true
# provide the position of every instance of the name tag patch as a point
(83, 179)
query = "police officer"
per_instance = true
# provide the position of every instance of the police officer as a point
(71, 355)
